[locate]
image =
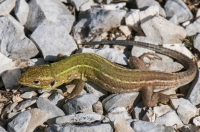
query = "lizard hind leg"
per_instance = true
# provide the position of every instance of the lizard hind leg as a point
(150, 98)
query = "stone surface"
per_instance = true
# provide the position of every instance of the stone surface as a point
(8, 109)
(178, 8)
(48, 36)
(125, 30)
(197, 42)
(14, 43)
(118, 113)
(10, 78)
(139, 111)
(38, 117)
(41, 11)
(169, 119)
(116, 6)
(149, 116)
(2, 129)
(82, 5)
(108, 53)
(21, 11)
(163, 31)
(27, 95)
(79, 118)
(6, 7)
(24, 104)
(91, 22)
(193, 28)
(95, 89)
(6, 63)
(98, 107)
(196, 121)
(126, 100)
(161, 110)
(97, 127)
(57, 99)
(45, 105)
(79, 103)
(20, 123)
(121, 125)
(144, 126)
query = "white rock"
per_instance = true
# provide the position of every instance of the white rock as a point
(132, 19)
(41, 11)
(194, 94)
(6, 63)
(6, 7)
(185, 114)
(193, 28)
(82, 5)
(139, 111)
(161, 110)
(197, 42)
(114, 6)
(149, 116)
(125, 30)
(196, 121)
(95, 89)
(148, 13)
(108, 53)
(118, 113)
(121, 125)
(198, 13)
(169, 119)
(185, 23)
(27, 95)
(78, 118)
(48, 35)
(163, 31)
(104, 35)
(21, 11)
(173, 19)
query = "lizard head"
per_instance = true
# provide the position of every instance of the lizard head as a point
(39, 77)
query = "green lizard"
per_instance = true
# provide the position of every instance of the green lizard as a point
(83, 67)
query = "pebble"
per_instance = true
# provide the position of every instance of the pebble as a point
(193, 28)
(6, 7)
(57, 99)
(118, 113)
(125, 30)
(121, 125)
(24, 104)
(6, 63)
(95, 89)
(27, 95)
(196, 121)
(98, 107)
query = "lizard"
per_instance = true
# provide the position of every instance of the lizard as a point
(112, 77)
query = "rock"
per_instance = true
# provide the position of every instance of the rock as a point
(37, 61)
(193, 28)
(149, 116)
(45, 105)
(79, 118)
(38, 13)
(198, 13)
(14, 43)
(2, 129)
(20, 123)
(108, 53)
(116, 6)
(91, 23)
(121, 125)
(163, 31)
(144, 4)
(21, 11)
(27, 95)
(144, 126)
(118, 113)
(161, 110)
(189, 128)
(96, 127)
(79, 103)
(125, 30)
(126, 100)
(10, 78)
(8, 109)
(38, 117)
(139, 111)
(57, 99)
(132, 19)
(6, 63)
(6, 7)
(24, 104)
(185, 109)
(197, 42)
(178, 8)
(48, 35)
(169, 119)
(95, 89)
(98, 107)
(82, 5)
(196, 121)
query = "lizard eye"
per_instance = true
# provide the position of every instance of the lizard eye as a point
(36, 82)
(53, 83)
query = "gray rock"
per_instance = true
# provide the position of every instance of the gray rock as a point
(2, 129)
(163, 31)
(96, 127)
(126, 100)
(121, 125)
(146, 3)
(6, 7)
(91, 23)
(27, 95)
(8, 109)
(24, 104)
(38, 117)
(139, 111)
(45, 105)
(48, 35)
(6, 63)
(95, 89)
(40, 12)
(118, 113)
(193, 28)
(98, 107)
(196, 121)
(14, 43)
(108, 53)
(115, 6)
(79, 103)
(57, 99)
(189, 128)
(144, 126)
(20, 123)
(169, 119)
(21, 11)
(178, 8)
(10, 78)
(197, 42)
(79, 118)
(82, 5)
